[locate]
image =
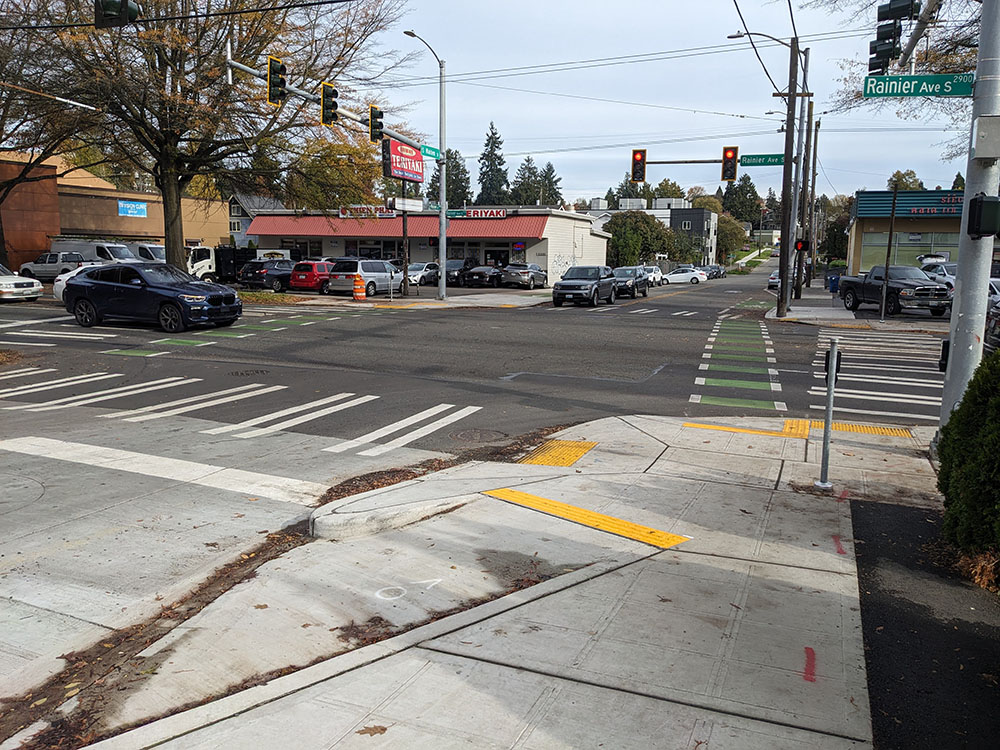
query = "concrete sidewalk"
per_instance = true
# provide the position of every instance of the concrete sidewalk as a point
(819, 307)
(691, 590)
(457, 298)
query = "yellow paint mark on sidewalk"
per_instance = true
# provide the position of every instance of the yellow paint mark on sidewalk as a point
(558, 453)
(741, 430)
(865, 429)
(590, 518)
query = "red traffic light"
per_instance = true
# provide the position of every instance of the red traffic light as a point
(638, 155)
(638, 165)
(729, 153)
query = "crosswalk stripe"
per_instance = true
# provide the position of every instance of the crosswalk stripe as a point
(205, 404)
(19, 323)
(178, 402)
(882, 368)
(873, 413)
(878, 396)
(276, 415)
(420, 432)
(306, 418)
(26, 371)
(908, 382)
(65, 335)
(59, 383)
(26, 343)
(111, 393)
(689, 314)
(388, 429)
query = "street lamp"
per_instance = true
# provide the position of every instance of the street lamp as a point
(442, 179)
(787, 211)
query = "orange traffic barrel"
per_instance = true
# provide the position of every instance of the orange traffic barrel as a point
(359, 288)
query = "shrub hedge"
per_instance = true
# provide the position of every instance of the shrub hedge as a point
(969, 453)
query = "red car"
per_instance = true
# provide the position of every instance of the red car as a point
(312, 275)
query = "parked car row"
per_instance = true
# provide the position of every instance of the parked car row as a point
(14, 287)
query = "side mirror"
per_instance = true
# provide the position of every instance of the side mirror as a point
(137, 282)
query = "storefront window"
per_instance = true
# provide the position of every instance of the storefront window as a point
(906, 247)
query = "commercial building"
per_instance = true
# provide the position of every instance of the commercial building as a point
(553, 239)
(674, 213)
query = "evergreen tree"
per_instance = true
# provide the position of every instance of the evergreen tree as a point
(628, 189)
(741, 200)
(907, 180)
(493, 181)
(611, 198)
(525, 188)
(459, 187)
(551, 193)
(958, 183)
(667, 188)
(773, 216)
(719, 194)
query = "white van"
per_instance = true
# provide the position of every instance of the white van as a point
(101, 251)
(148, 252)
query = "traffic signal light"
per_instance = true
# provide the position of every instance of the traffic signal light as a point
(375, 126)
(898, 9)
(276, 91)
(802, 246)
(885, 48)
(984, 216)
(638, 165)
(109, 13)
(328, 103)
(730, 158)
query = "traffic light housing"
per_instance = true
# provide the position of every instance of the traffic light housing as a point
(638, 165)
(328, 103)
(730, 160)
(802, 246)
(111, 13)
(886, 47)
(898, 9)
(375, 126)
(276, 91)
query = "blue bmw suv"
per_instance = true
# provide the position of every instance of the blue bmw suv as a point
(154, 292)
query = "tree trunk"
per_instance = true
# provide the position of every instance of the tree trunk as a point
(4, 257)
(173, 221)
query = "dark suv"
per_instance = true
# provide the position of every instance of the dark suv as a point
(269, 274)
(631, 281)
(152, 292)
(585, 284)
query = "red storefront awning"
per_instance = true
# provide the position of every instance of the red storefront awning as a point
(510, 227)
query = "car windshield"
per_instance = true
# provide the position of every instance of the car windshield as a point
(166, 275)
(4, 271)
(119, 251)
(517, 265)
(344, 266)
(157, 251)
(903, 272)
(454, 264)
(650, 269)
(951, 268)
(624, 272)
(483, 269)
(416, 267)
(581, 272)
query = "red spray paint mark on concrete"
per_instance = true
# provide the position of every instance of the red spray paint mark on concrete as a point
(843, 496)
(840, 547)
(809, 674)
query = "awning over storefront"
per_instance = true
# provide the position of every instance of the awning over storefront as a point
(510, 227)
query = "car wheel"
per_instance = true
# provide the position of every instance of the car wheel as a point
(208, 277)
(531, 283)
(26, 273)
(695, 280)
(937, 312)
(851, 300)
(557, 302)
(324, 288)
(85, 313)
(635, 293)
(370, 289)
(400, 290)
(460, 281)
(170, 318)
(892, 305)
(611, 297)
(277, 286)
(496, 283)
(645, 292)
(593, 299)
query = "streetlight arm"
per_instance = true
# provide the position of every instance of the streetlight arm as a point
(413, 34)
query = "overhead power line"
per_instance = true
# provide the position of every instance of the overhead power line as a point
(752, 44)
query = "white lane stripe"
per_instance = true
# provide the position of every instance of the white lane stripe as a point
(65, 335)
(206, 404)
(178, 402)
(680, 312)
(251, 483)
(420, 432)
(689, 314)
(35, 321)
(867, 396)
(59, 383)
(25, 343)
(884, 368)
(646, 312)
(275, 415)
(306, 418)
(905, 382)
(388, 429)
(903, 415)
(155, 385)
(26, 371)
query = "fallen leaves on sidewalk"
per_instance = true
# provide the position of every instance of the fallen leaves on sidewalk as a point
(373, 730)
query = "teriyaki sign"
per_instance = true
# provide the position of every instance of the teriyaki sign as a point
(402, 162)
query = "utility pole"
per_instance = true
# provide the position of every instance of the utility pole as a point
(800, 261)
(798, 164)
(813, 239)
(787, 218)
(968, 314)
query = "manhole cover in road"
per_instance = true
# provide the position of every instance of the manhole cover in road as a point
(478, 436)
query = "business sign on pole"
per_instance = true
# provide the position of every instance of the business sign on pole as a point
(951, 84)
(136, 209)
(366, 212)
(408, 204)
(431, 152)
(762, 160)
(401, 162)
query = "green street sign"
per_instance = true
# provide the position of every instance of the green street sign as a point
(455, 213)
(952, 84)
(762, 160)
(430, 151)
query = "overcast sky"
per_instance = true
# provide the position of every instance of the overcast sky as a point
(645, 103)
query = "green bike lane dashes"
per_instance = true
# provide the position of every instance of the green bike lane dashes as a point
(736, 361)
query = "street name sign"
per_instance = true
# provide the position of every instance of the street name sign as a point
(430, 151)
(952, 84)
(762, 160)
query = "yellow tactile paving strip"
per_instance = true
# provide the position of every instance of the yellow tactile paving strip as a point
(799, 428)
(558, 453)
(590, 518)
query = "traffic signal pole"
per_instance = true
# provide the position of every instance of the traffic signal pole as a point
(968, 314)
(787, 219)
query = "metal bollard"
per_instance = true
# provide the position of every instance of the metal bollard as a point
(833, 363)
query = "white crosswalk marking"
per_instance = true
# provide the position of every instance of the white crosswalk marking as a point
(25, 371)
(222, 398)
(420, 432)
(306, 418)
(107, 395)
(389, 429)
(65, 335)
(26, 343)
(276, 414)
(34, 321)
(643, 311)
(689, 314)
(55, 384)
